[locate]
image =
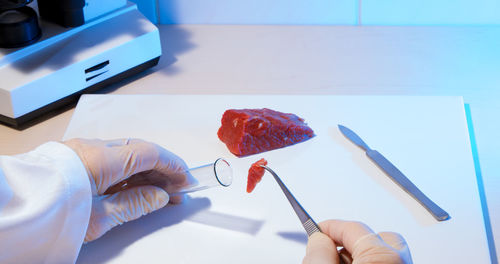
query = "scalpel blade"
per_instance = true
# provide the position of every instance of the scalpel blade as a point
(397, 176)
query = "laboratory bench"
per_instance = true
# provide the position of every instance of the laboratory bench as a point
(324, 60)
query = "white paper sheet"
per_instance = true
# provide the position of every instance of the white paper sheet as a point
(425, 137)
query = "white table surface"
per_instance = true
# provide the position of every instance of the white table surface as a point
(201, 59)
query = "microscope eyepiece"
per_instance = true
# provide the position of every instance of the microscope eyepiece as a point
(13, 4)
(18, 27)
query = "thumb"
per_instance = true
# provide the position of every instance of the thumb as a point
(321, 250)
(130, 204)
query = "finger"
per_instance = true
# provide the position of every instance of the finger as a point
(345, 233)
(394, 240)
(397, 241)
(110, 211)
(140, 156)
(132, 156)
(321, 250)
(109, 162)
(116, 142)
(135, 157)
(97, 142)
(177, 199)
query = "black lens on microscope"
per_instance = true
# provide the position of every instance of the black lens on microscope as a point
(18, 27)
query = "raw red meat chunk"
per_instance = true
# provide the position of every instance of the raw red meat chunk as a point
(251, 131)
(255, 174)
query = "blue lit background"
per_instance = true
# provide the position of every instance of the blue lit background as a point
(328, 12)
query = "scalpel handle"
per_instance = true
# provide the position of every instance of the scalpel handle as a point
(398, 177)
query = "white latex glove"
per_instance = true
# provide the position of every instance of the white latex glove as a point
(361, 245)
(150, 170)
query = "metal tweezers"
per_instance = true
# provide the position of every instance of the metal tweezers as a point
(307, 222)
(309, 225)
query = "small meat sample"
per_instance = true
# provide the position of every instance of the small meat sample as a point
(255, 174)
(252, 131)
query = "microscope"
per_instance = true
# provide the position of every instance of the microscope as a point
(52, 51)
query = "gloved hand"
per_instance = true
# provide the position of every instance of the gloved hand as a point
(361, 245)
(150, 171)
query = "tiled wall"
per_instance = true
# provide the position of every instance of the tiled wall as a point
(324, 12)
(430, 12)
(258, 11)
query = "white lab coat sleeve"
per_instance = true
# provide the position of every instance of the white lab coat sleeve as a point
(45, 203)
